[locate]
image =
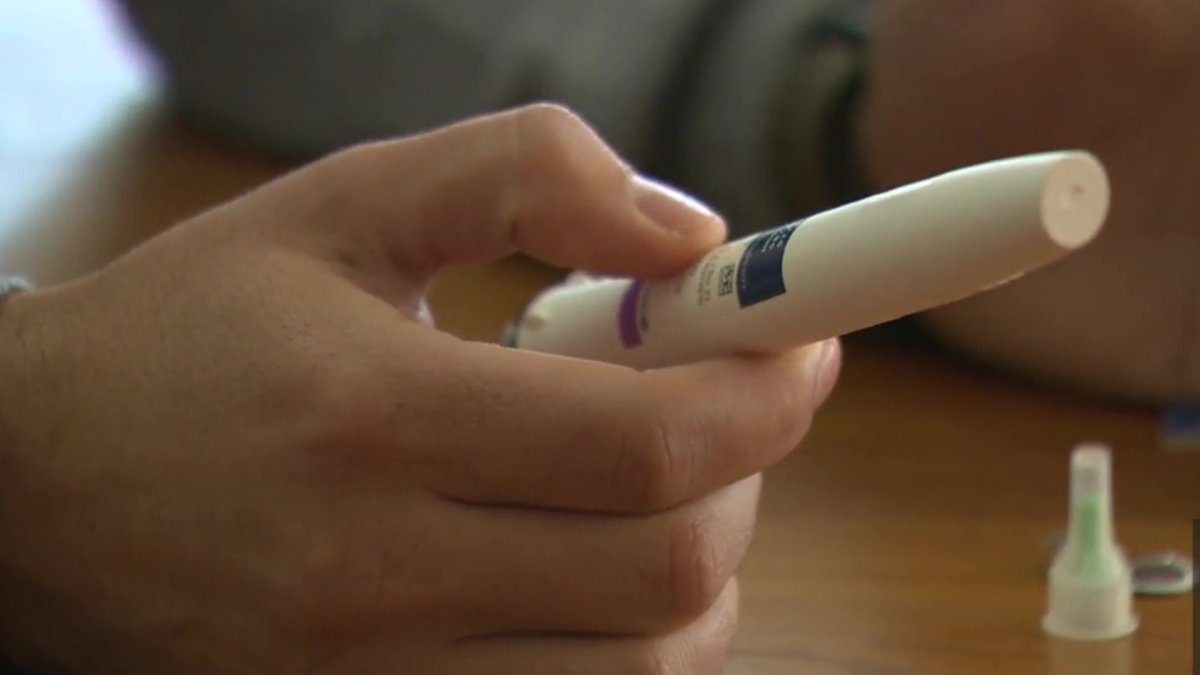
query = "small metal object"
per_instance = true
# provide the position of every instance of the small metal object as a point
(1163, 574)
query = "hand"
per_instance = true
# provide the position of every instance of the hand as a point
(960, 81)
(243, 448)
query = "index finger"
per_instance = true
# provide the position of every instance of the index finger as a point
(545, 431)
(536, 179)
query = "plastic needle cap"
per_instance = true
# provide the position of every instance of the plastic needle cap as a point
(1091, 584)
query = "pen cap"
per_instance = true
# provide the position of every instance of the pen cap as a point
(939, 240)
(1091, 583)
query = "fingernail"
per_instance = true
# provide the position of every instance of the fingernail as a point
(826, 367)
(671, 208)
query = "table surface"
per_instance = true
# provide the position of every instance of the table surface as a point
(906, 535)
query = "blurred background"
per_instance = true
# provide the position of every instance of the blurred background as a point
(88, 87)
(908, 536)
(91, 159)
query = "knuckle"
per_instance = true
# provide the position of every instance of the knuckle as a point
(701, 647)
(328, 594)
(656, 659)
(791, 415)
(792, 424)
(351, 585)
(555, 146)
(544, 135)
(562, 172)
(346, 417)
(307, 390)
(548, 123)
(648, 463)
(723, 627)
(710, 649)
(549, 110)
(695, 574)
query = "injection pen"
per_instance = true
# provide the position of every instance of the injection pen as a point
(881, 258)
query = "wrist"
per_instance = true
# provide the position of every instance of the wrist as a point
(19, 385)
(11, 359)
(11, 366)
(9, 287)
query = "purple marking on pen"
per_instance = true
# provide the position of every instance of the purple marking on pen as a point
(627, 321)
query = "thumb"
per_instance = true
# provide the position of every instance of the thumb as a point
(536, 180)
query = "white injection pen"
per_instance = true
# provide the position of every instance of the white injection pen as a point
(897, 253)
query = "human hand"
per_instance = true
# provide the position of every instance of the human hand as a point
(953, 82)
(244, 448)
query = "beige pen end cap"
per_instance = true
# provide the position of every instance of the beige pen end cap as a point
(1075, 199)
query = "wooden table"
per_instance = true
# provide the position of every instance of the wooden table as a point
(907, 535)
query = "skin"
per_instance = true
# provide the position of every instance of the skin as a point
(955, 82)
(244, 447)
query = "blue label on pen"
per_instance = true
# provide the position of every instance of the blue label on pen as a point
(760, 272)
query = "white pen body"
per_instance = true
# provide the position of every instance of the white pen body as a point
(859, 265)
